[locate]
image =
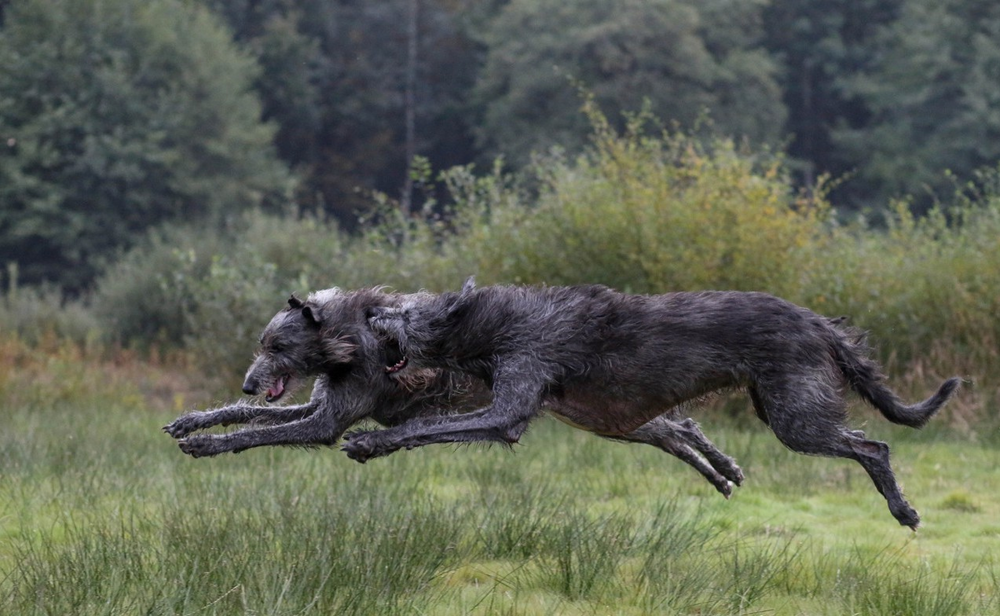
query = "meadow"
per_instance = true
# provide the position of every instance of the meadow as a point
(100, 513)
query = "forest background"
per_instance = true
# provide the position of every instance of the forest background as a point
(171, 170)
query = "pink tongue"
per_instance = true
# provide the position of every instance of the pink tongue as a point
(277, 388)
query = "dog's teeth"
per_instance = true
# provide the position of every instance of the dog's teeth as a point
(396, 367)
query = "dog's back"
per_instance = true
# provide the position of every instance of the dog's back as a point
(590, 330)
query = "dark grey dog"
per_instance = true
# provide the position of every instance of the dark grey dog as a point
(327, 337)
(611, 362)
(360, 376)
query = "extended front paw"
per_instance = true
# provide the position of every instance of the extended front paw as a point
(735, 475)
(730, 470)
(361, 446)
(186, 424)
(200, 446)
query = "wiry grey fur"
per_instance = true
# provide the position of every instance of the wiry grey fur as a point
(361, 376)
(610, 362)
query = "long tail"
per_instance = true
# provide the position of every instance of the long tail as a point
(864, 376)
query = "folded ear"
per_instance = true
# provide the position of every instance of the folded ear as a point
(312, 314)
(459, 304)
(295, 302)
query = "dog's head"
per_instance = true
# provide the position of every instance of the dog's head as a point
(300, 341)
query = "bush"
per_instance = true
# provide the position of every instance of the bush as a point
(922, 285)
(639, 212)
(118, 115)
(652, 215)
(33, 314)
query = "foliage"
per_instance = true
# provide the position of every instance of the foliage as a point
(679, 55)
(640, 211)
(926, 282)
(658, 213)
(819, 47)
(113, 120)
(933, 94)
(333, 81)
(211, 293)
(839, 83)
(33, 315)
(115, 116)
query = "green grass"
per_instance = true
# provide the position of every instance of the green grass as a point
(100, 513)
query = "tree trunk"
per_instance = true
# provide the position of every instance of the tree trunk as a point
(406, 199)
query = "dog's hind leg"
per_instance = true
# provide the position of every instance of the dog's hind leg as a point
(660, 433)
(240, 413)
(807, 415)
(689, 430)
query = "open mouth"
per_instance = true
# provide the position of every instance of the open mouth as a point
(278, 389)
(395, 359)
(396, 367)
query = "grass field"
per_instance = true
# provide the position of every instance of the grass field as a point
(100, 513)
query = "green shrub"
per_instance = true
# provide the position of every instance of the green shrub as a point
(144, 298)
(666, 214)
(639, 212)
(33, 313)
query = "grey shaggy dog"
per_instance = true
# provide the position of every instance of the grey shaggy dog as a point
(326, 337)
(611, 362)
(361, 376)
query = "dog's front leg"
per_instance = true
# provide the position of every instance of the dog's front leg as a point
(237, 414)
(517, 396)
(317, 429)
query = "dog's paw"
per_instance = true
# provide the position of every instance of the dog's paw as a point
(724, 487)
(908, 516)
(733, 473)
(199, 446)
(186, 424)
(362, 446)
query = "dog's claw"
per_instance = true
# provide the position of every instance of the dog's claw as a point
(356, 456)
(738, 476)
(184, 425)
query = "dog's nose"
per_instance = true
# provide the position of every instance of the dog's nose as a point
(249, 388)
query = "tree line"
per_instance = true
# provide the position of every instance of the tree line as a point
(117, 115)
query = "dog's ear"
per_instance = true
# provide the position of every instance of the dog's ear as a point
(459, 303)
(313, 315)
(469, 286)
(295, 302)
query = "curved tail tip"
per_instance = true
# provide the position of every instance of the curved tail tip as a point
(932, 405)
(949, 387)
